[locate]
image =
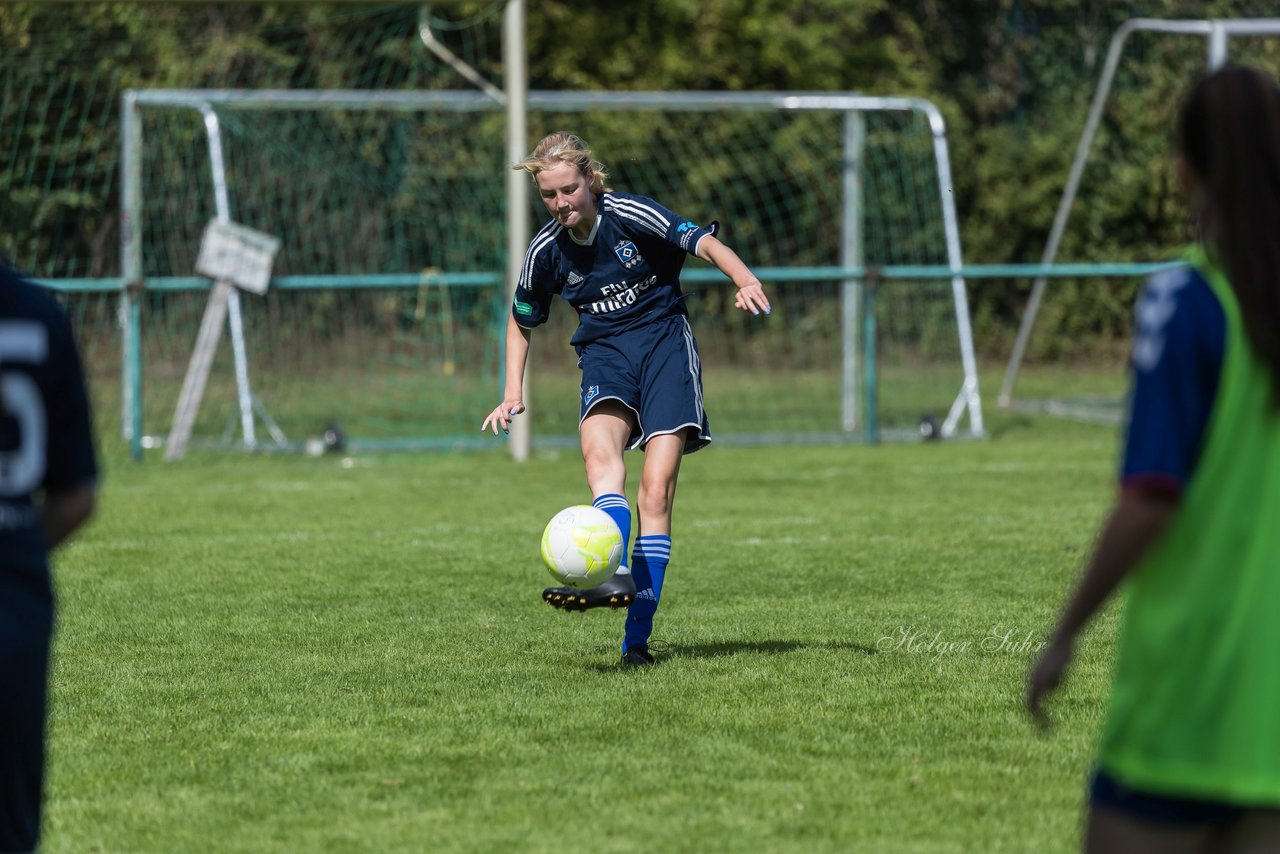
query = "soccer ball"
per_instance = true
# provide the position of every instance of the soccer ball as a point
(582, 546)
(930, 429)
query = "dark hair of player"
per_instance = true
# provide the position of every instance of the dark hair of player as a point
(1229, 137)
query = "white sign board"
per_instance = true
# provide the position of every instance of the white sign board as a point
(238, 254)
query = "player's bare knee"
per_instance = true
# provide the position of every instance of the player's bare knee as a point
(654, 500)
(605, 470)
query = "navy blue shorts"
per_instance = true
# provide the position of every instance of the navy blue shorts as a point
(655, 372)
(26, 627)
(1107, 791)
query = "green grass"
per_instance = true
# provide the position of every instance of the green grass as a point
(278, 653)
(744, 403)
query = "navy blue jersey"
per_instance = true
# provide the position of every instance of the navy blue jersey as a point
(626, 274)
(46, 443)
(1179, 342)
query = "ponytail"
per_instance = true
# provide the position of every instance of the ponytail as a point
(1229, 136)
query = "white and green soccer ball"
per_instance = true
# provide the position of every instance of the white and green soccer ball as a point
(582, 546)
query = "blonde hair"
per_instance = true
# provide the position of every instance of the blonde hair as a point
(562, 147)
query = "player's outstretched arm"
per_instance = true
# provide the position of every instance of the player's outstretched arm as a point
(513, 393)
(750, 296)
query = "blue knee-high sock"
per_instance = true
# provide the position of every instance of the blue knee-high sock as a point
(620, 512)
(648, 567)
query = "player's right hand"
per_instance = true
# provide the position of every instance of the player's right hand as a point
(502, 415)
(1046, 676)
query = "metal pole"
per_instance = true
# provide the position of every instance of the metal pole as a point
(515, 63)
(855, 129)
(1073, 180)
(222, 200)
(968, 397)
(451, 59)
(1217, 45)
(131, 268)
(870, 389)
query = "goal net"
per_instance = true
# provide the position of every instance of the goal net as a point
(383, 178)
(388, 307)
(1072, 366)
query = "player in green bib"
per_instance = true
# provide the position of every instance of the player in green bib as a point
(1190, 752)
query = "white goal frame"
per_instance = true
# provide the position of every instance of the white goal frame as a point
(851, 271)
(1217, 32)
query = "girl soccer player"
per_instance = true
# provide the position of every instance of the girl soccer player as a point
(616, 258)
(1190, 753)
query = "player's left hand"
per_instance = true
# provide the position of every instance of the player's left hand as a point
(1045, 677)
(751, 298)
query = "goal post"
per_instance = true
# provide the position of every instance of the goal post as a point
(389, 207)
(882, 202)
(1217, 33)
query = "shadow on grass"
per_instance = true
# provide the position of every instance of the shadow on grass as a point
(775, 647)
(668, 650)
(1005, 424)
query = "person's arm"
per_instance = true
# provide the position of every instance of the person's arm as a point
(518, 338)
(750, 296)
(1135, 523)
(63, 512)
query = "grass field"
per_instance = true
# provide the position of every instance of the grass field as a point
(281, 653)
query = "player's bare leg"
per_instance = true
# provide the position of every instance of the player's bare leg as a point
(603, 435)
(662, 456)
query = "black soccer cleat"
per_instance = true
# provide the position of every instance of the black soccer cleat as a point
(618, 592)
(637, 656)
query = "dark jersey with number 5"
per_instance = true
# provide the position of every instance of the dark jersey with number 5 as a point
(46, 441)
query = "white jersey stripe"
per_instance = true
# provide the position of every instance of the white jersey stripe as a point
(526, 267)
(544, 238)
(643, 215)
(695, 366)
(635, 204)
